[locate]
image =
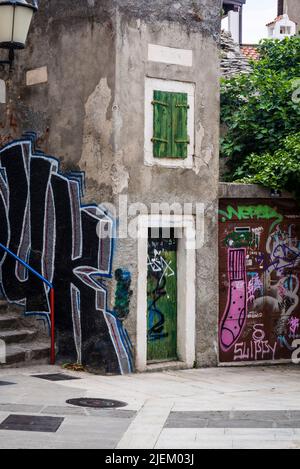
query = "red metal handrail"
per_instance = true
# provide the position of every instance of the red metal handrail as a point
(52, 316)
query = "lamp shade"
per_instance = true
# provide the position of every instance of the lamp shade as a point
(15, 19)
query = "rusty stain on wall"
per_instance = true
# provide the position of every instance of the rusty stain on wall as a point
(259, 248)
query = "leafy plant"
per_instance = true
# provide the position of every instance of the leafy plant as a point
(278, 170)
(261, 119)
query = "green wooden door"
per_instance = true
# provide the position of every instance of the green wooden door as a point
(162, 300)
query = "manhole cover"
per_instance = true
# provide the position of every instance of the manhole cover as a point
(96, 403)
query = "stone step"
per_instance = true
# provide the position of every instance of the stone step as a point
(9, 321)
(26, 354)
(13, 336)
(5, 306)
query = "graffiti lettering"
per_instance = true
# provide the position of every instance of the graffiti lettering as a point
(257, 349)
(158, 264)
(294, 324)
(44, 222)
(246, 212)
(296, 352)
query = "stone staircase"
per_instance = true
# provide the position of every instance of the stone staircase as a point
(26, 341)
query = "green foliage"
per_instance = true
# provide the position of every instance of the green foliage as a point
(279, 170)
(261, 118)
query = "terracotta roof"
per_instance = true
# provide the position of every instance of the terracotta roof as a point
(250, 51)
(280, 17)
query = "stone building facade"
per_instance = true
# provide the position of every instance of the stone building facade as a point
(97, 83)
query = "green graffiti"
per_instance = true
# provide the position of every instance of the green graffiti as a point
(123, 293)
(250, 212)
(239, 240)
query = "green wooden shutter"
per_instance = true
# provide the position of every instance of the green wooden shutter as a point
(170, 125)
(180, 138)
(162, 124)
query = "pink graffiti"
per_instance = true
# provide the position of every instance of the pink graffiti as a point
(257, 349)
(235, 314)
(294, 324)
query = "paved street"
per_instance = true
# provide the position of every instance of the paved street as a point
(207, 408)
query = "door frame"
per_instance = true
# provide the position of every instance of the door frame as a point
(186, 293)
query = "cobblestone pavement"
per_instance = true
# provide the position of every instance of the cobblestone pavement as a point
(253, 407)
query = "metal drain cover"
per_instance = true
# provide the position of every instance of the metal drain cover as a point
(31, 423)
(96, 403)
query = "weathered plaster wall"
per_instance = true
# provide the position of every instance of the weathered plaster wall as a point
(155, 184)
(76, 43)
(293, 10)
(90, 113)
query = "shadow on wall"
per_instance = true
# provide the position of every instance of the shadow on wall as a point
(45, 224)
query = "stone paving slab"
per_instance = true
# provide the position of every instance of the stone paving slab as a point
(24, 408)
(76, 431)
(122, 414)
(250, 391)
(62, 410)
(217, 438)
(234, 419)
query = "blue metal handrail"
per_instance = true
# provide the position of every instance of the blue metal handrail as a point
(43, 279)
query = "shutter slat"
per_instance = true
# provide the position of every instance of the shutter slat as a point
(161, 118)
(180, 117)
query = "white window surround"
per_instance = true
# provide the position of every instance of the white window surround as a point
(151, 85)
(186, 295)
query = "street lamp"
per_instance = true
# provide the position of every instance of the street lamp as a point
(15, 20)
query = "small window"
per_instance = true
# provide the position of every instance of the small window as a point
(170, 125)
(285, 30)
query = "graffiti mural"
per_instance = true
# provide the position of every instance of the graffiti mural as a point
(44, 222)
(259, 251)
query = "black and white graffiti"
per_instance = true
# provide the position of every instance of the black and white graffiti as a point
(44, 223)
